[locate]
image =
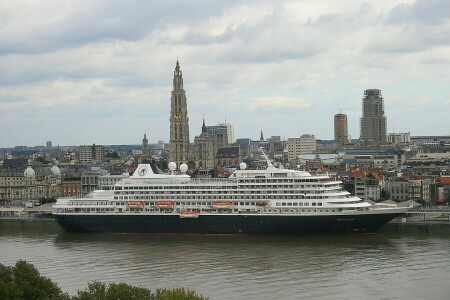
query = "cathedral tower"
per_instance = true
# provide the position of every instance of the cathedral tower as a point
(179, 121)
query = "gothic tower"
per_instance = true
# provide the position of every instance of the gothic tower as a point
(179, 121)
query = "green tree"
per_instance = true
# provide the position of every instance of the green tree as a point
(99, 291)
(177, 293)
(23, 281)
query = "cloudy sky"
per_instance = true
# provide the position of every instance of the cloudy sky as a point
(83, 72)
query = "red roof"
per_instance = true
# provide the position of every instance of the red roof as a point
(445, 180)
(358, 174)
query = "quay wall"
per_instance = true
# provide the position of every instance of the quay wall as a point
(41, 224)
(395, 226)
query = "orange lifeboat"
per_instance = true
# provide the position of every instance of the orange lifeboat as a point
(138, 204)
(164, 204)
(261, 203)
(188, 214)
(222, 204)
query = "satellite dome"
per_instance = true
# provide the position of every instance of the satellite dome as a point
(183, 168)
(172, 166)
(29, 172)
(243, 166)
(56, 171)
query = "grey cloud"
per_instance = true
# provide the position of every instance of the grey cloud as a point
(87, 22)
(421, 11)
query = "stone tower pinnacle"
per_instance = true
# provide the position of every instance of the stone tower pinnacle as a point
(179, 121)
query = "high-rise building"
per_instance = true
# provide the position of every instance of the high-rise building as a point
(373, 121)
(48, 144)
(92, 154)
(179, 121)
(340, 129)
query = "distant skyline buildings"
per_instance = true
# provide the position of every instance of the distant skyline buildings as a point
(373, 121)
(340, 129)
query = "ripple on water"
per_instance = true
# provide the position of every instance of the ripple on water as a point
(223, 267)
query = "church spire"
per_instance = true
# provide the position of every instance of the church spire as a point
(262, 137)
(204, 126)
(179, 120)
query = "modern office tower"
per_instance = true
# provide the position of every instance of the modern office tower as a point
(48, 144)
(340, 129)
(373, 121)
(306, 144)
(179, 121)
(92, 154)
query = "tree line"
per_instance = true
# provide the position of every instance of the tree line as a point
(23, 281)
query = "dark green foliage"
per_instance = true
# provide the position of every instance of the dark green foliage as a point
(115, 291)
(23, 282)
(177, 293)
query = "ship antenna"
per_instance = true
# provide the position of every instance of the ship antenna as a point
(269, 163)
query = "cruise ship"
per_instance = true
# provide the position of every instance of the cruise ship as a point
(272, 201)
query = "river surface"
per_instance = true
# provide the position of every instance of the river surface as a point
(383, 266)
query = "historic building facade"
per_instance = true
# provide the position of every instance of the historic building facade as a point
(179, 121)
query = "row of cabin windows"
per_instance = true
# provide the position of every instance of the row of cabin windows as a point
(298, 204)
(174, 192)
(208, 187)
(171, 197)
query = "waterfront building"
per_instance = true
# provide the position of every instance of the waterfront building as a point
(305, 144)
(416, 188)
(179, 121)
(89, 179)
(365, 185)
(30, 184)
(92, 154)
(70, 187)
(373, 121)
(340, 129)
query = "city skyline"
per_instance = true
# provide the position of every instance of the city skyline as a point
(84, 73)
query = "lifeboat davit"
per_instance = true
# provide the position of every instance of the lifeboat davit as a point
(222, 204)
(164, 204)
(138, 204)
(261, 203)
(187, 214)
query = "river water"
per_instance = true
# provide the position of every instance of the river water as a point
(383, 266)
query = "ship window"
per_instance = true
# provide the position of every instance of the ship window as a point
(314, 204)
(319, 204)
(278, 203)
(306, 204)
(283, 204)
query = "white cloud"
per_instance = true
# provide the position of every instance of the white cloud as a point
(107, 64)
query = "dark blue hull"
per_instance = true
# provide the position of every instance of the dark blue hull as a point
(226, 224)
